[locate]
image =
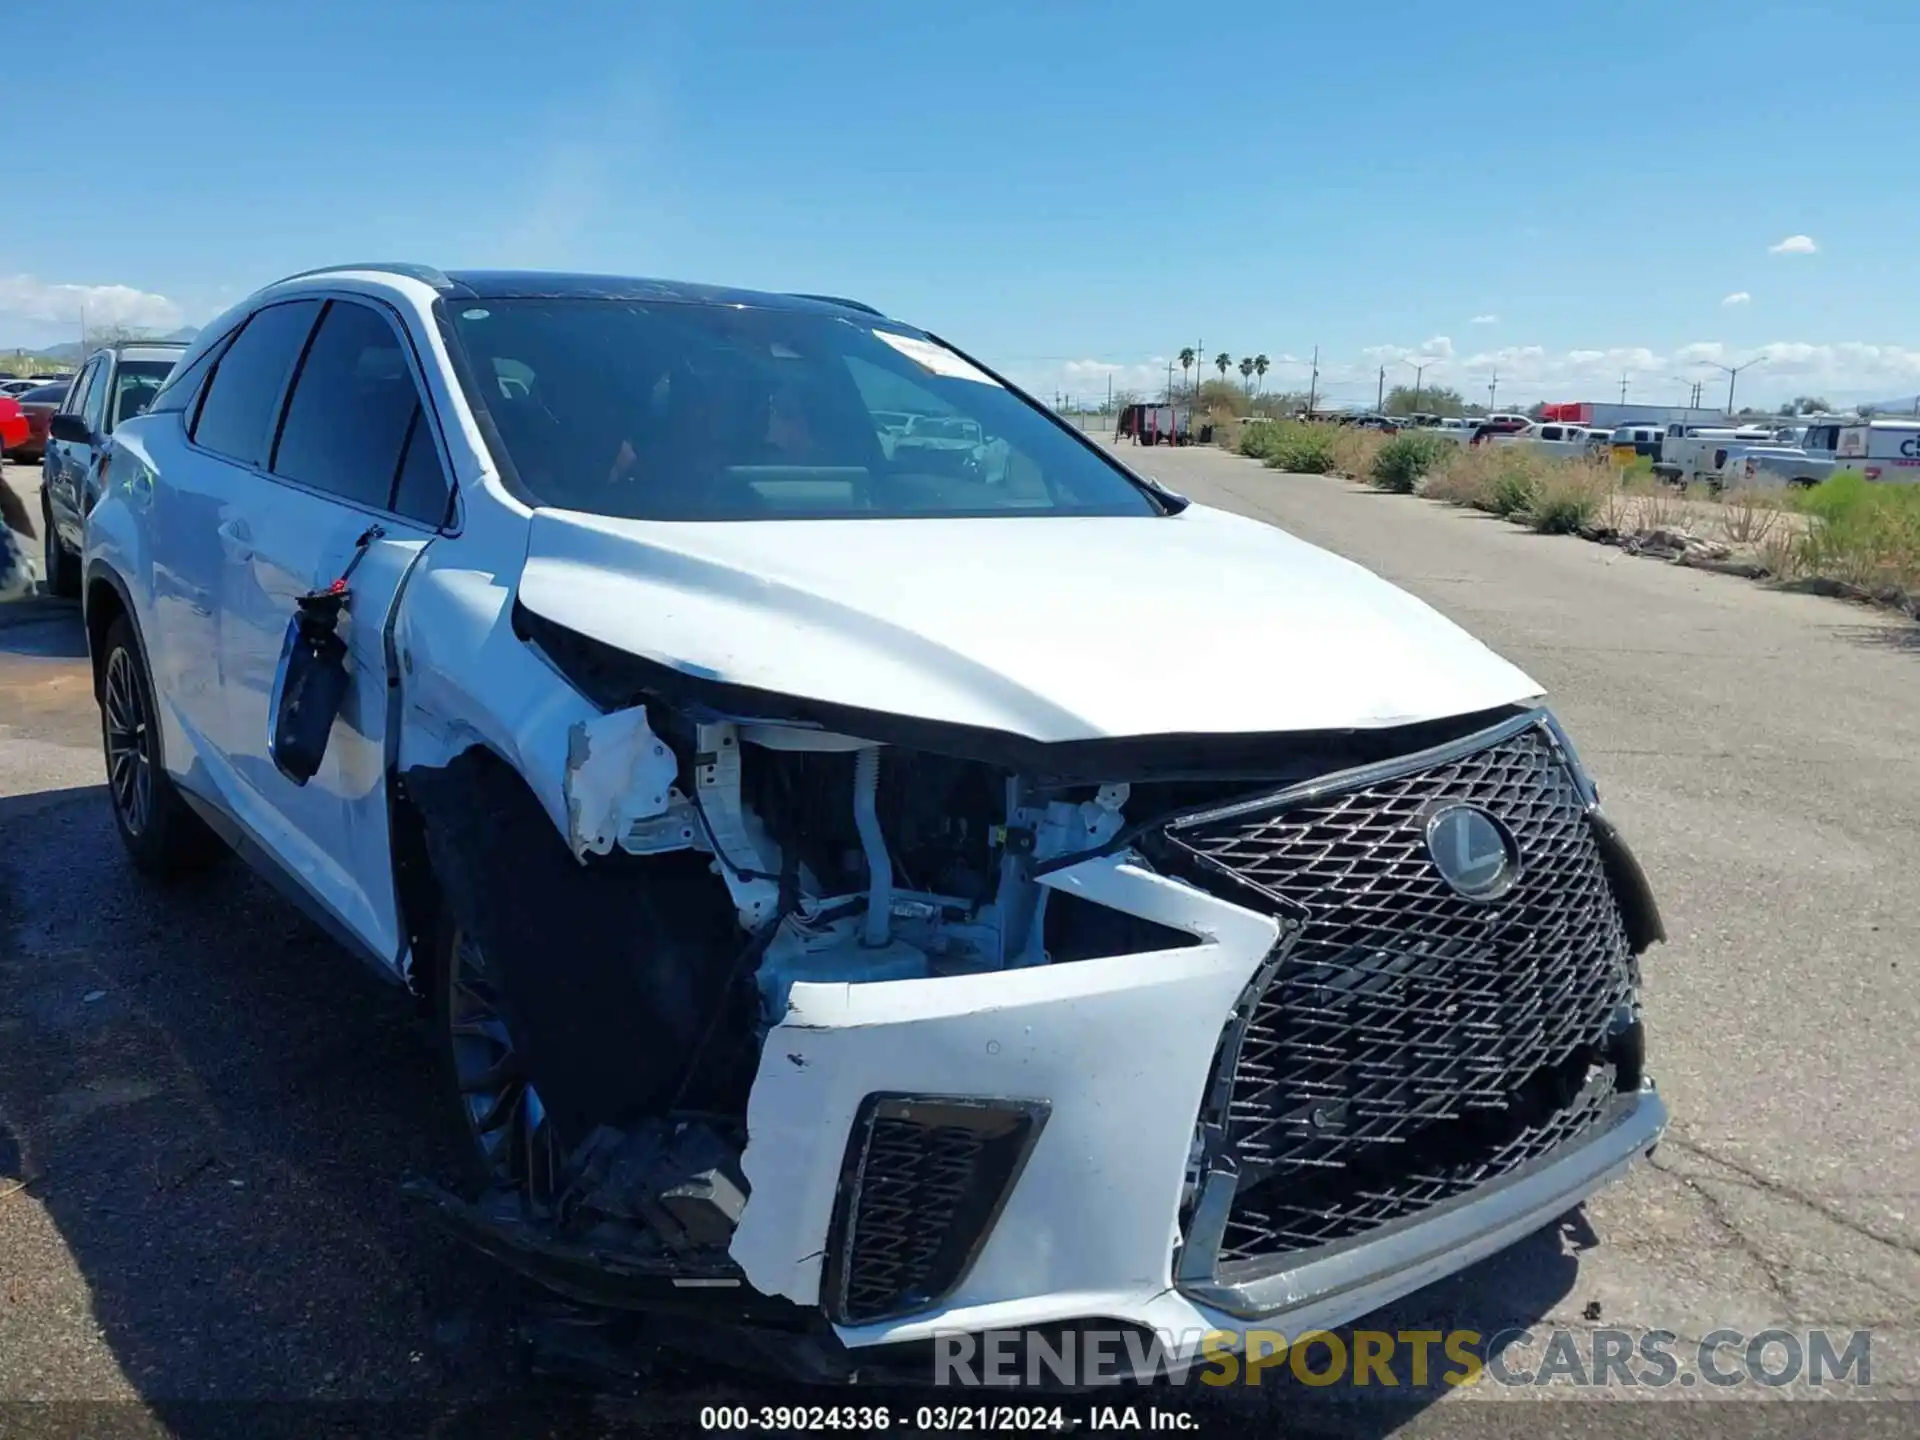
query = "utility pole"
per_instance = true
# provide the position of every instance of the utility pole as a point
(1380, 399)
(1313, 385)
(1493, 388)
(1109, 392)
(1623, 387)
(1733, 374)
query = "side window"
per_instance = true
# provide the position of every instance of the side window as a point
(183, 382)
(352, 409)
(422, 492)
(76, 401)
(95, 412)
(236, 418)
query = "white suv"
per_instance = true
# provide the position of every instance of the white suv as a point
(880, 890)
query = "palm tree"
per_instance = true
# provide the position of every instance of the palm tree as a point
(1187, 357)
(1260, 363)
(1246, 373)
(1221, 362)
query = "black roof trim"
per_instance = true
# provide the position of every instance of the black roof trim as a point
(425, 274)
(844, 303)
(564, 285)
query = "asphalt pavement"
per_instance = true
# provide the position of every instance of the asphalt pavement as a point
(211, 1107)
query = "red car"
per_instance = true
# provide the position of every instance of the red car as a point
(14, 426)
(38, 406)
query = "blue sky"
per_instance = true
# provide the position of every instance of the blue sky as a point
(1556, 191)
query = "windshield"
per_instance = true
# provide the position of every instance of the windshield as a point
(682, 411)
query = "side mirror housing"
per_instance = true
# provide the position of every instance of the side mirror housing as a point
(70, 428)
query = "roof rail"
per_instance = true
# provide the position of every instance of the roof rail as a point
(425, 274)
(864, 309)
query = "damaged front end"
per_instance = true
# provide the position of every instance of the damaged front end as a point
(855, 1028)
(614, 996)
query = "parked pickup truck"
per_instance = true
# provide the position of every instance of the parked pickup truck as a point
(1554, 438)
(1697, 454)
(1775, 467)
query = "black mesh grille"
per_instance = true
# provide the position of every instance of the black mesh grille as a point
(1405, 1006)
(1298, 1213)
(915, 1179)
(923, 1181)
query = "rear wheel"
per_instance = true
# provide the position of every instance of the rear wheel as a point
(62, 565)
(163, 837)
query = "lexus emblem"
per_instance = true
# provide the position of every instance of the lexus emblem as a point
(1475, 854)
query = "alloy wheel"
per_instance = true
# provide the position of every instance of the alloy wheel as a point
(129, 741)
(511, 1130)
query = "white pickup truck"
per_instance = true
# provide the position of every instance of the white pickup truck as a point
(1554, 437)
(1691, 454)
(1775, 467)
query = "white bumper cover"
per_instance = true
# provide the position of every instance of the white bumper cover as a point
(1121, 1050)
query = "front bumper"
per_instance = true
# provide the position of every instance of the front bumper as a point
(1355, 1082)
(1395, 1259)
(1121, 1051)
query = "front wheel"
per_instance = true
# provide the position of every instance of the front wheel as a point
(162, 836)
(512, 1142)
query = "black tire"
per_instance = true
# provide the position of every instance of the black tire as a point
(163, 837)
(63, 566)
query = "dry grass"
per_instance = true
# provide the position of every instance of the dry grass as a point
(1749, 519)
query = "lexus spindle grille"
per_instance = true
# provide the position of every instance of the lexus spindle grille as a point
(1414, 1041)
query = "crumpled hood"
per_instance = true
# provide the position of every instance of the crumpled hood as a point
(1051, 628)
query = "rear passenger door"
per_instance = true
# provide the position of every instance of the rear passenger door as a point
(354, 465)
(205, 474)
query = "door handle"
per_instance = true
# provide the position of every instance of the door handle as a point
(235, 539)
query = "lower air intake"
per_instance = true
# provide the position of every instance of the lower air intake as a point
(923, 1181)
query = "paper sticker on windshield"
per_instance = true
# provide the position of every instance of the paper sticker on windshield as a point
(935, 358)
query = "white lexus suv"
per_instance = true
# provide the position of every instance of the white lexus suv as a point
(876, 880)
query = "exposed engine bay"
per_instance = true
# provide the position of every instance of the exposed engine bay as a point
(713, 865)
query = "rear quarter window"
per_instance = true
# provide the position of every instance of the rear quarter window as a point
(237, 416)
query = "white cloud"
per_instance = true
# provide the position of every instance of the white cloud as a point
(1432, 353)
(25, 298)
(1738, 297)
(1794, 245)
(1486, 320)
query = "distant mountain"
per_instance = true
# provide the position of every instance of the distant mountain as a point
(1899, 405)
(71, 352)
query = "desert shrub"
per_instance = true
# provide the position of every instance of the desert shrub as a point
(1354, 449)
(1255, 438)
(1401, 462)
(1864, 533)
(1464, 477)
(1515, 479)
(1568, 495)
